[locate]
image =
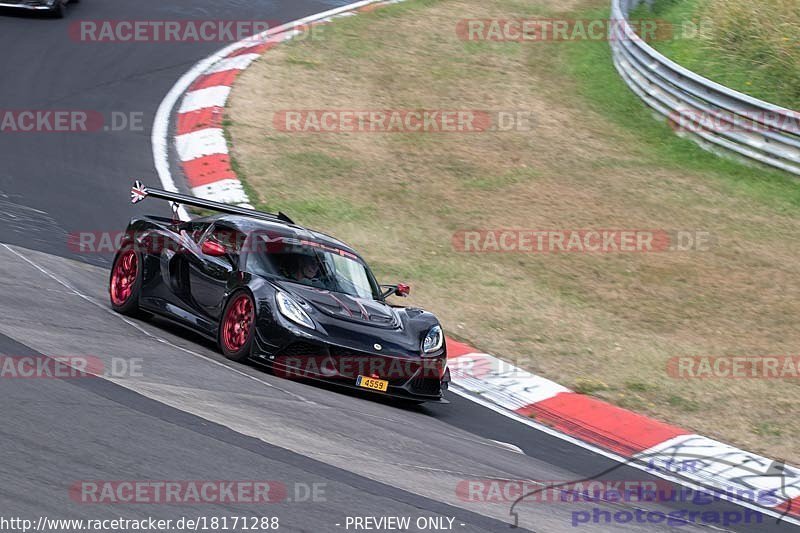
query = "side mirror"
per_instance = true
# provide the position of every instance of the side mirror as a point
(213, 249)
(402, 290)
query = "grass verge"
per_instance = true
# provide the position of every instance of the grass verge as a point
(604, 324)
(753, 47)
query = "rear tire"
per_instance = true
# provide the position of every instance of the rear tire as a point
(125, 282)
(237, 327)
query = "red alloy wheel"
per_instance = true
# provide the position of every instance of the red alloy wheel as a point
(124, 277)
(237, 323)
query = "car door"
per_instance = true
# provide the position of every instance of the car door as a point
(209, 274)
(171, 255)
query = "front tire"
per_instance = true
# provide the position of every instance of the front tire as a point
(58, 11)
(125, 283)
(237, 327)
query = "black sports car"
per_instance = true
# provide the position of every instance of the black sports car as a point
(271, 291)
(55, 8)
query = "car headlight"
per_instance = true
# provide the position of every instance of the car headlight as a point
(292, 310)
(434, 340)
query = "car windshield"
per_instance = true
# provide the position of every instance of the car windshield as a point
(315, 265)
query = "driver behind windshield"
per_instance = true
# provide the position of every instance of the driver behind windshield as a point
(333, 270)
(303, 269)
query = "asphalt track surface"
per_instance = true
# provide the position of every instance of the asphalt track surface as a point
(189, 414)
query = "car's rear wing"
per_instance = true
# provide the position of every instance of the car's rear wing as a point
(139, 192)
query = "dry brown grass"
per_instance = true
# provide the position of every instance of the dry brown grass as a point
(612, 318)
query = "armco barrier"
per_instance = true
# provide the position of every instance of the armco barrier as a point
(716, 116)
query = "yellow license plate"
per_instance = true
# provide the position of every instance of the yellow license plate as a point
(372, 383)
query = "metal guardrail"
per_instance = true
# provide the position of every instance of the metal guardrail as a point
(716, 116)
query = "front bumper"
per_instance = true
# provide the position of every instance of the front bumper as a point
(393, 392)
(417, 379)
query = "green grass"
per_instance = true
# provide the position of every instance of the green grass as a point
(638, 386)
(322, 208)
(683, 404)
(497, 182)
(750, 46)
(600, 85)
(316, 164)
(589, 386)
(768, 429)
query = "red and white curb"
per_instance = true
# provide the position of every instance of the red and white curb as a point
(670, 452)
(663, 447)
(199, 138)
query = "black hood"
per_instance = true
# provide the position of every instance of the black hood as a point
(346, 307)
